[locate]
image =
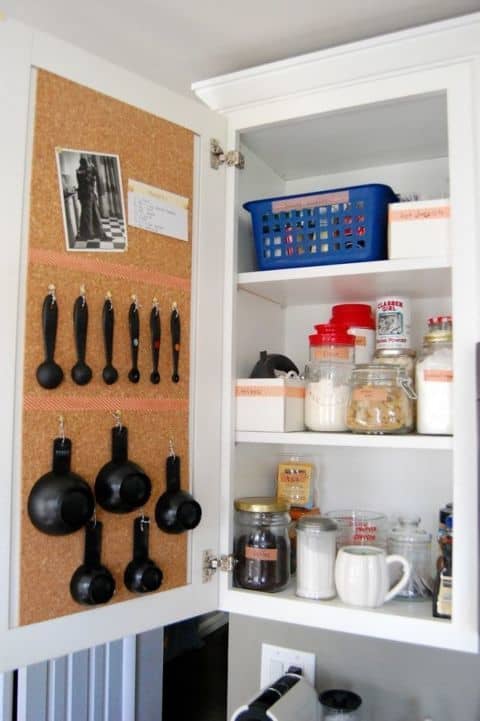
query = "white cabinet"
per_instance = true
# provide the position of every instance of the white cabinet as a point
(401, 110)
(398, 110)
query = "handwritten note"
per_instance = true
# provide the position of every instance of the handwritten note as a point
(157, 210)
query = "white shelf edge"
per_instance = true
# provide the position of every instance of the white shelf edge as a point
(395, 621)
(330, 271)
(309, 438)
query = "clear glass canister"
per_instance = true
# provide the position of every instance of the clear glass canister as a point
(261, 544)
(316, 551)
(407, 539)
(327, 390)
(381, 400)
(434, 379)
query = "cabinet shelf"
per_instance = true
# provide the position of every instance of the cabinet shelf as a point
(416, 278)
(309, 438)
(396, 620)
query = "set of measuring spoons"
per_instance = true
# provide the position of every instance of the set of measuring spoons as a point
(50, 374)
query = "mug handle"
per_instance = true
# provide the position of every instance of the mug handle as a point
(405, 576)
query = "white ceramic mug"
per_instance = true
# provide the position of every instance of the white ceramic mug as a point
(361, 575)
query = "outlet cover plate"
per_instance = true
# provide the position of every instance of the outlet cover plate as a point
(276, 661)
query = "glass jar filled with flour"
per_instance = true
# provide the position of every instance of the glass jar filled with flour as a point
(434, 379)
(327, 390)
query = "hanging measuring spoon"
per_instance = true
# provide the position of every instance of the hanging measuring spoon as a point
(156, 334)
(134, 326)
(81, 372)
(175, 333)
(110, 373)
(49, 373)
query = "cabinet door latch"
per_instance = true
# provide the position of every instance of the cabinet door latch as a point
(233, 158)
(212, 562)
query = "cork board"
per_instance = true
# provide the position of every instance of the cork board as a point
(158, 153)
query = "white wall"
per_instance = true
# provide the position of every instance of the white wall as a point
(397, 682)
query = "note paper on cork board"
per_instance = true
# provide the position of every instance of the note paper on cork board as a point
(157, 210)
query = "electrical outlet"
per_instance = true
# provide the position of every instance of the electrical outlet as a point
(277, 660)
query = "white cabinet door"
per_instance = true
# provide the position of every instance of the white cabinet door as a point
(21, 50)
(269, 108)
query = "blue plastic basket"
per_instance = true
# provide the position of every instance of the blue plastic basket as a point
(345, 225)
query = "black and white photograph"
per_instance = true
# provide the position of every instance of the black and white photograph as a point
(92, 200)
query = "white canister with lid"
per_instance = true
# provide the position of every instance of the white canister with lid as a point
(393, 319)
(316, 551)
(359, 321)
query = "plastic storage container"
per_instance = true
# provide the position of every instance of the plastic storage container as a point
(344, 225)
(359, 321)
(331, 343)
(262, 544)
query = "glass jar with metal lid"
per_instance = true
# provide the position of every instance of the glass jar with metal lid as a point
(261, 543)
(381, 400)
(316, 552)
(434, 379)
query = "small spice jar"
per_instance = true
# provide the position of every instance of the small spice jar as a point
(434, 379)
(316, 552)
(358, 320)
(327, 390)
(381, 400)
(261, 543)
(331, 343)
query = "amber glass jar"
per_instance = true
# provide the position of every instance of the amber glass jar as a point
(261, 544)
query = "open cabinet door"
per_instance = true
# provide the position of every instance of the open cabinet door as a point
(23, 54)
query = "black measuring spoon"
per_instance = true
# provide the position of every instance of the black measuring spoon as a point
(81, 372)
(156, 334)
(175, 333)
(134, 326)
(109, 374)
(49, 373)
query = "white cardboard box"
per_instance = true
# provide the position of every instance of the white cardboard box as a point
(270, 404)
(419, 229)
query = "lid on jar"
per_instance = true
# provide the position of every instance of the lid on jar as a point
(331, 334)
(316, 524)
(379, 372)
(438, 336)
(262, 504)
(353, 315)
(340, 700)
(444, 322)
(394, 353)
(407, 530)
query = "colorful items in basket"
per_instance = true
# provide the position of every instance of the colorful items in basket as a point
(344, 225)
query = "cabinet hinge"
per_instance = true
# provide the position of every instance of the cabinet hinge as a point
(211, 563)
(233, 158)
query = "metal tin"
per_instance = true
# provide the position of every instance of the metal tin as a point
(393, 318)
